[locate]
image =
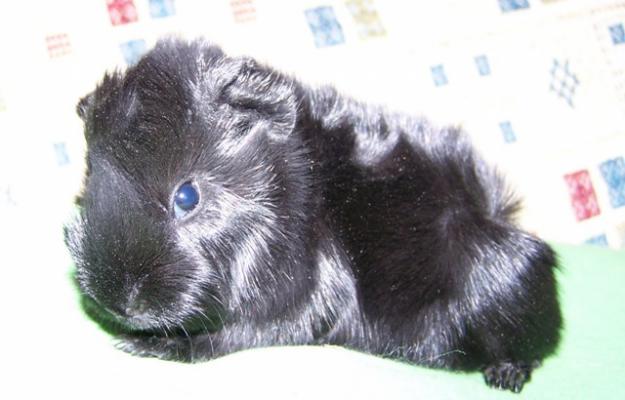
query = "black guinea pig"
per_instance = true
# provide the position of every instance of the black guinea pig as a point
(227, 206)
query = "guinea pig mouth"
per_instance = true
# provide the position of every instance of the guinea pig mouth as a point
(119, 322)
(116, 322)
(142, 323)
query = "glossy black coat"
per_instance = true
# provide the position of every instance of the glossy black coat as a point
(320, 220)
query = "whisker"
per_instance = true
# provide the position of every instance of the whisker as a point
(208, 334)
(191, 350)
(436, 357)
(199, 311)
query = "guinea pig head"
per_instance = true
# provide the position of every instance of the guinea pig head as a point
(194, 188)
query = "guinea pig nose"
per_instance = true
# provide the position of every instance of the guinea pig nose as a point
(136, 308)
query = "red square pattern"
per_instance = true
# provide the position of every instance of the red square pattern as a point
(122, 11)
(583, 198)
(243, 10)
(58, 45)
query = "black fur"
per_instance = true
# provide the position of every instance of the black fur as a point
(321, 220)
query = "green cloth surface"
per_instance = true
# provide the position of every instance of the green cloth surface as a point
(64, 353)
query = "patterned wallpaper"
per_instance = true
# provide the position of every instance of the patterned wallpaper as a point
(540, 86)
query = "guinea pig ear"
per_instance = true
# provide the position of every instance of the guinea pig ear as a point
(264, 93)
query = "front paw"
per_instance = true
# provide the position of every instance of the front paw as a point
(155, 346)
(507, 375)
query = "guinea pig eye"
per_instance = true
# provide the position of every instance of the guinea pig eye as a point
(185, 199)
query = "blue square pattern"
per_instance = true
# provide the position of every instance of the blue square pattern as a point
(617, 33)
(162, 8)
(599, 240)
(564, 81)
(133, 50)
(325, 27)
(60, 151)
(483, 66)
(513, 5)
(508, 133)
(613, 172)
(439, 76)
